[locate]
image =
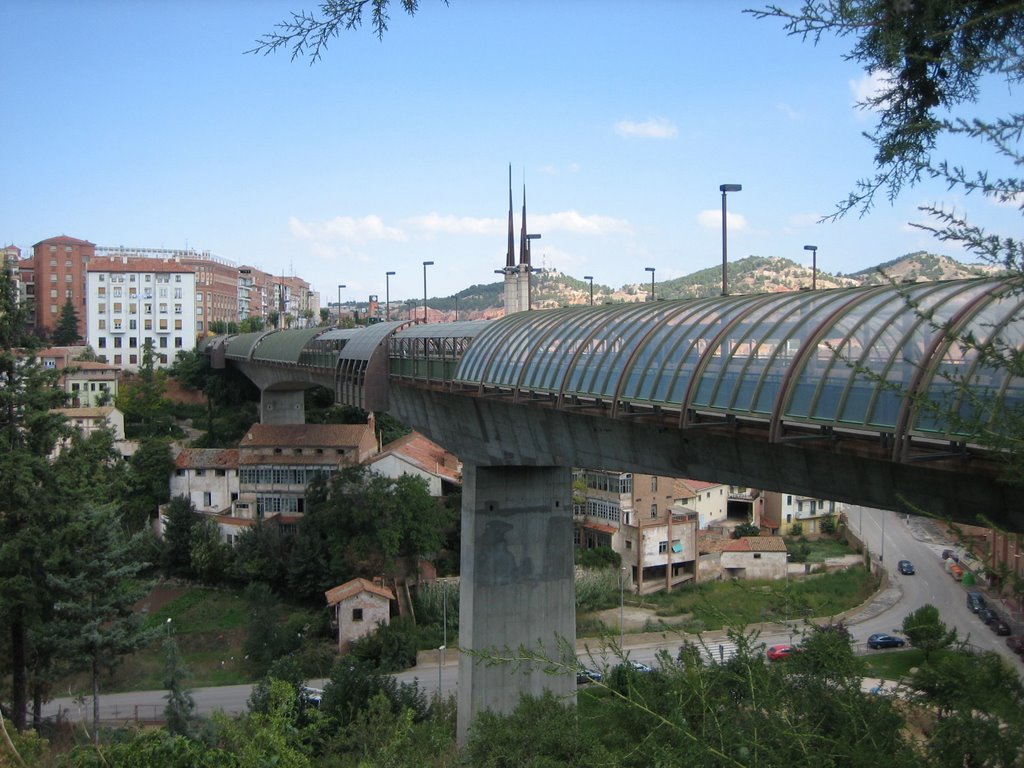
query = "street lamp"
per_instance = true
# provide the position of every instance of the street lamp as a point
(339, 303)
(590, 278)
(651, 270)
(725, 248)
(387, 295)
(622, 604)
(814, 265)
(425, 265)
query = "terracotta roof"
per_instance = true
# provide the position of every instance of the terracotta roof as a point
(304, 435)
(354, 587)
(239, 522)
(97, 412)
(708, 543)
(600, 528)
(65, 239)
(756, 544)
(422, 452)
(117, 264)
(266, 459)
(88, 365)
(207, 458)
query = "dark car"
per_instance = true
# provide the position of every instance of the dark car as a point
(987, 615)
(999, 625)
(905, 567)
(882, 640)
(587, 675)
(975, 601)
(1016, 644)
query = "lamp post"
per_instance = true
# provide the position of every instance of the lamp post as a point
(425, 265)
(622, 604)
(590, 279)
(651, 270)
(814, 265)
(724, 188)
(881, 554)
(339, 303)
(456, 306)
(387, 295)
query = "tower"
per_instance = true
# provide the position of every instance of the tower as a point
(517, 275)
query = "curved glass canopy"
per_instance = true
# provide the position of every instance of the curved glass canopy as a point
(879, 359)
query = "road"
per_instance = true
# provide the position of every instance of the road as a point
(887, 534)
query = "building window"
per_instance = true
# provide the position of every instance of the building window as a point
(207, 499)
(177, 325)
(662, 547)
(133, 342)
(102, 324)
(357, 614)
(117, 341)
(177, 342)
(133, 359)
(629, 543)
(654, 484)
(757, 555)
(117, 359)
(163, 342)
(654, 510)
(149, 325)
(133, 324)
(103, 342)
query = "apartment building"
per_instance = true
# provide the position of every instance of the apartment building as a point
(791, 514)
(133, 301)
(54, 275)
(276, 462)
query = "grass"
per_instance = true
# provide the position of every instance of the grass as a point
(817, 551)
(893, 665)
(715, 605)
(209, 626)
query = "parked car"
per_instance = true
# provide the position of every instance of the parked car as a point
(639, 666)
(975, 601)
(587, 675)
(949, 554)
(1016, 644)
(905, 567)
(882, 640)
(779, 652)
(987, 615)
(999, 625)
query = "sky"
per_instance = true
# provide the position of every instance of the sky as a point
(145, 123)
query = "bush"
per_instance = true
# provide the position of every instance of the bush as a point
(598, 557)
(390, 647)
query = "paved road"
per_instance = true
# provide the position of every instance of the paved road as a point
(904, 538)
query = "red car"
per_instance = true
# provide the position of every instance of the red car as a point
(778, 652)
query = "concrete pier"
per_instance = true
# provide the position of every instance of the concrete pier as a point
(517, 585)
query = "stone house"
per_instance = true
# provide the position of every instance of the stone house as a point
(276, 462)
(414, 454)
(359, 606)
(208, 477)
(754, 557)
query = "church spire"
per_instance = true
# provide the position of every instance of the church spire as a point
(510, 257)
(524, 241)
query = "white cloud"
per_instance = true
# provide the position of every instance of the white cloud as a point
(789, 111)
(346, 228)
(572, 221)
(654, 128)
(712, 219)
(868, 87)
(435, 223)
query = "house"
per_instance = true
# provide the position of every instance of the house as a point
(639, 517)
(754, 557)
(708, 501)
(208, 477)
(89, 420)
(359, 606)
(276, 462)
(414, 454)
(794, 515)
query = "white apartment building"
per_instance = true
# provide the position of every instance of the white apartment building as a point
(130, 301)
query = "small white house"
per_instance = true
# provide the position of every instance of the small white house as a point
(359, 606)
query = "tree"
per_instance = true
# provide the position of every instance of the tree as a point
(745, 529)
(29, 507)
(306, 33)
(97, 590)
(180, 704)
(66, 332)
(147, 487)
(925, 630)
(142, 401)
(181, 521)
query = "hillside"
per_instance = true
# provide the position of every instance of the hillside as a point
(754, 274)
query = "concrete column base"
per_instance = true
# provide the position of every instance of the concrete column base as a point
(517, 586)
(283, 406)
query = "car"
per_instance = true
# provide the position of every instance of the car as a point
(949, 554)
(905, 567)
(1016, 644)
(975, 601)
(999, 625)
(987, 615)
(639, 666)
(882, 640)
(587, 675)
(312, 696)
(779, 652)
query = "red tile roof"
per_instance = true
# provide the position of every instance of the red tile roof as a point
(304, 435)
(422, 452)
(354, 587)
(207, 458)
(117, 264)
